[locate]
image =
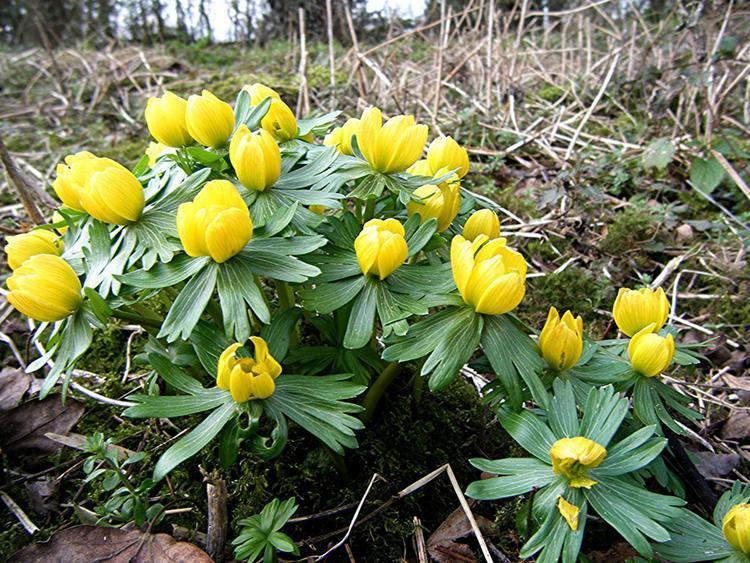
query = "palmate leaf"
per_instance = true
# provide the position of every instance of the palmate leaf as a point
(327, 297)
(73, 340)
(238, 290)
(694, 539)
(177, 405)
(180, 268)
(362, 316)
(518, 476)
(319, 405)
(454, 351)
(187, 309)
(604, 411)
(530, 432)
(268, 263)
(632, 453)
(208, 343)
(554, 538)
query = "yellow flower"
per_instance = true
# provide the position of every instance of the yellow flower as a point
(421, 168)
(111, 192)
(154, 151)
(736, 527)
(635, 309)
(248, 378)
(165, 117)
(45, 288)
(259, 92)
(216, 223)
(20, 248)
(341, 137)
(392, 147)
(445, 152)
(482, 222)
(561, 340)
(58, 218)
(318, 209)
(490, 277)
(256, 158)
(280, 121)
(381, 247)
(569, 512)
(71, 178)
(573, 457)
(650, 354)
(440, 202)
(209, 120)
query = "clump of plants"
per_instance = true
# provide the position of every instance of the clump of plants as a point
(286, 283)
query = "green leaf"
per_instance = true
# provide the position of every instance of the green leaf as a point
(166, 275)
(453, 351)
(208, 343)
(195, 440)
(276, 266)
(530, 474)
(531, 433)
(424, 336)
(604, 411)
(327, 297)
(177, 405)
(175, 376)
(238, 291)
(99, 306)
(562, 414)
(276, 223)
(706, 175)
(421, 236)
(187, 309)
(362, 316)
(658, 154)
(318, 404)
(278, 334)
(185, 191)
(247, 114)
(693, 539)
(75, 339)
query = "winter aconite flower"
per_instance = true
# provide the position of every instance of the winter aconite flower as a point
(341, 137)
(490, 276)
(736, 527)
(650, 354)
(635, 309)
(482, 222)
(110, 192)
(561, 340)
(45, 288)
(166, 120)
(381, 247)
(259, 92)
(393, 146)
(20, 248)
(256, 158)
(216, 223)
(440, 202)
(279, 120)
(71, 178)
(573, 457)
(209, 120)
(248, 378)
(445, 152)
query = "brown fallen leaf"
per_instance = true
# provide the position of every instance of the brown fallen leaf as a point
(14, 383)
(713, 465)
(22, 430)
(740, 384)
(442, 545)
(96, 543)
(737, 426)
(42, 494)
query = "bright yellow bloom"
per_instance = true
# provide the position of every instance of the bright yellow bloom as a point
(561, 340)
(445, 152)
(341, 137)
(45, 288)
(421, 168)
(569, 512)
(165, 117)
(381, 247)
(111, 192)
(259, 92)
(392, 147)
(248, 378)
(280, 121)
(736, 527)
(71, 178)
(650, 354)
(216, 223)
(256, 158)
(440, 202)
(318, 209)
(636, 308)
(154, 151)
(57, 218)
(482, 222)
(209, 120)
(573, 457)
(20, 248)
(490, 277)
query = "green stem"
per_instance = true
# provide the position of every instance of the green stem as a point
(339, 463)
(286, 295)
(136, 319)
(369, 209)
(417, 388)
(375, 393)
(215, 311)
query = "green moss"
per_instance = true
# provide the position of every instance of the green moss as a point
(550, 92)
(629, 230)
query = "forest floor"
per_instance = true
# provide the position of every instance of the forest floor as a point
(616, 162)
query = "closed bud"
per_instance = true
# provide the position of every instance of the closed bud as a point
(445, 152)
(259, 92)
(440, 202)
(736, 527)
(393, 146)
(71, 179)
(248, 378)
(280, 121)
(216, 223)
(490, 276)
(210, 121)
(256, 158)
(45, 288)
(561, 340)
(112, 193)
(341, 137)
(650, 354)
(20, 248)
(635, 309)
(166, 120)
(381, 247)
(155, 150)
(482, 222)
(573, 457)
(421, 168)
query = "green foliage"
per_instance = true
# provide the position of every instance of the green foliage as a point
(261, 533)
(630, 229)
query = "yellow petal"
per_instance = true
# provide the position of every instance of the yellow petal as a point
(569, 512)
